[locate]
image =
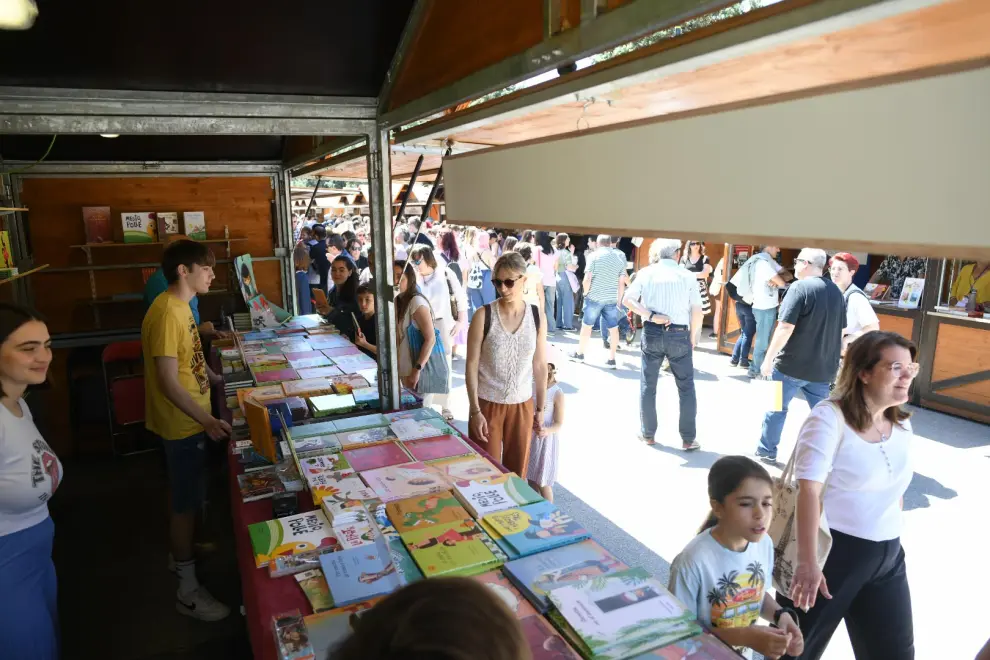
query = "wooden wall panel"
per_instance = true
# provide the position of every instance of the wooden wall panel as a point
(961, 350)
(899, 324)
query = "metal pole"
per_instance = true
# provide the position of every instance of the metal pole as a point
(433, 193)
(380, 207)
(405, 198)
(312, 197)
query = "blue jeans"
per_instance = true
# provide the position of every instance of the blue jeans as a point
(675, 345)
(765, 318)
(28, 594)
(623, 325)
(549, 298)
(773, 422)
(565, 303)
(747, 329)
(594, 310)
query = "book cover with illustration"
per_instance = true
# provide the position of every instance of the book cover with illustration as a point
(355, 535)
(449, 549)
(194, 223)
(96, 223)
(418, 414)
(413, 429)
(314, 445)
(876, 291)
(347, 383)
(139, 227)
(404, 564)
(622, 614)
(262, 394)
(535, 528)
(339, 486)
(319, 342)
(499, 585)
(351, 364)
(310, 362)
(259, 485)
(319, 372)
(360, 422)
(537, 574)
(431, 449)
(398, 482)
(292, 535)
(370, 436)
(376, 456)
(307, 387)
(299, 355)
(367, 396)
(275, 376)
(418, 512)
(328, 629)
(700, 647)
(357, 574)
(466, 468)
(911, 293)
(484, 495)
(314, 585)
(323, 463)
(545, 643)
(168, 224)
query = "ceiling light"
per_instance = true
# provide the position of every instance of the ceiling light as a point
(17, 14)
(110, 135)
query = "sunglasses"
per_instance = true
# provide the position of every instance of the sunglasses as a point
(508, 284)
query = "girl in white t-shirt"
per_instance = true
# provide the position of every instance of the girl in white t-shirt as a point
(29, 474)
(723, 573)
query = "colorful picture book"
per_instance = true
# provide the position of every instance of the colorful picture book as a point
(321, 342)
(375, 435)
(315, 587)
(448, 549)
(341, 351)
(259, 485)
(350, 364)
(310, 363)
(263, 394)
(622, 614)
(324, 463)
(498, 584)
(431, 449)
(284, 565)
(276, 376)
(300, 355)
(413, 429)
(376, 456)
(537, 574)
(307, 387)
(398, 482)
(466, 468)
(314, 428)
(315, 445)
(339, 486)
(360, 422)
(419, 512)
(418, 414)
(291, 637)
(545, 643)
(700, 647)
(366, 396)
(319, 372)
(534, 528)
(358, 574)
(911, 293)
(292, 535)
(876, 291)
(487, 495)
(355, 535)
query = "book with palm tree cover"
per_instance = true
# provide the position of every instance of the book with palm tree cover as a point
(620, 615)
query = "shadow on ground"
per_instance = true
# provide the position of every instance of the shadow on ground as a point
(921, 487)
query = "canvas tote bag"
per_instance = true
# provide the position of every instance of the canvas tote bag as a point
(433, 376)
(783, 528)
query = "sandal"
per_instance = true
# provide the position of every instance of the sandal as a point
(447, 415)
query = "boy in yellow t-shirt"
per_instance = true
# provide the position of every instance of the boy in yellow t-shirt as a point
(177, 408)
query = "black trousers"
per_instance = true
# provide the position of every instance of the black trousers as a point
(868, 583)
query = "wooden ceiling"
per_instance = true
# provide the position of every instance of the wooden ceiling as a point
(356, 169)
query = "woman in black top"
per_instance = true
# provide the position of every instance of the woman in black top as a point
(342, 301)
(696, 262)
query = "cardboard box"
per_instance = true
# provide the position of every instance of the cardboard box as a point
(194, 223)
(140, 227)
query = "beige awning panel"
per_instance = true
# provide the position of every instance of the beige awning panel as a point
(900, 168)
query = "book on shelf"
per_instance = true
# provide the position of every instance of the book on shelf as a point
(911, 293)
(431, 449)
(425, 511)
(485, 495)
(314, 585)
(319, 372)
(534, 528)
(331, 404)
(357, 574)
(398, 482)
(370, 436)
(465, 468)
(537, 574)
(621, 615)
(292, 637)
(876, 291)
(307, 387)
(194, 225)
(96, 224)
(259, 484)
(310, 363)
(413, 429)
(139, 227)
(449, 549)
(376, 456)
(360, 422)
(292, 535)
(168, 224)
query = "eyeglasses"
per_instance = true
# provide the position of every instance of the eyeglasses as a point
(508, 284)
(899, 369)
(800, 261)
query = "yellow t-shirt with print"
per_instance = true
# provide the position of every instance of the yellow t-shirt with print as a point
(965, 281)
(168, 330)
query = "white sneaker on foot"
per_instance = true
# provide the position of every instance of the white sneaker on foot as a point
(201, 605)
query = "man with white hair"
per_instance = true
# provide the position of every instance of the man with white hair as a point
(602, 289)
(804, 352)
(666, 296)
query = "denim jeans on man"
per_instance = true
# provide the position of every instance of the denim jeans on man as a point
(765, 318)
(674, 343)
(747, 329)
(773, 422)
(565, 303)
(624, 327)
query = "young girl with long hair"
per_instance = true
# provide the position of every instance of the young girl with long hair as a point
(542, 469)
(722, 574)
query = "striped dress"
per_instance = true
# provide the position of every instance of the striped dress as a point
(543, 451)
(697, 267)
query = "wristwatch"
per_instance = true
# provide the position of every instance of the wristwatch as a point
(417, 367)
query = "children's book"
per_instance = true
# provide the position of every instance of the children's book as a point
(262, 393)
(276, 376)
(498, 542)
(360, 422)
(535, 528)
(911, 293)
(355, 535)
(398, 482)
(259, 335)
(314, 428)
(319, 372)
(292, 535)
(324, 463)
(537, 574)
(340, 486)
(370, 375)
(404, 564)
(259, 484)
(358, 574)
(315, 445)
(331, 404)
(376, 456)
(412, 429)
(431, 449)
(376, 435)
(266, 360)
(499, 585)
(348, 382)
(307, 387)
(622, 614)
(700, 647)
(418, 512)
(310, 363)
(350, 506)
(314, 585)
(418, 414)
(323, 341)
(466, 468)
(448, 549)
(291, 636)
(876, 291)
(293, 344)
(341, 351)
(301, 355)
(291, 564)
(328, 629)
(366, 396)
(545, 643)
(486, 495)
(351, 364)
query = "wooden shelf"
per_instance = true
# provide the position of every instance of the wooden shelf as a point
(86, 246)
(114, 301)
(7, 210)
(24, 274)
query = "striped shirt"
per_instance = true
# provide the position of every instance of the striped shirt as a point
(666, 288)
(606, 270)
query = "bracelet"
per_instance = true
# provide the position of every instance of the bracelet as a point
(474, 412)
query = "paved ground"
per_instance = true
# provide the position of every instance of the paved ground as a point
(645, 503)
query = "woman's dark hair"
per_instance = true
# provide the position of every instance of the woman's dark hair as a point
(353, 243)
(687, 248)
(526, 236)
(347, 292)
(348, 236)
(561, 240)
(423, 252)
(525, 250)
(438, 619)
(405, 297)
(863, 355)
(448, 243)
(725, 477)
(544, 241)
(185, 253)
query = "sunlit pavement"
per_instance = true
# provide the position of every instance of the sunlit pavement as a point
(656, 496)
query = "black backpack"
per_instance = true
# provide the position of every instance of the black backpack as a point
(488, 320)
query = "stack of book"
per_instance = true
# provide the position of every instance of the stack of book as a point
(533, 528)
(292, 535)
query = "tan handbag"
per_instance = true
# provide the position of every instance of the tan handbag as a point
(783, 528)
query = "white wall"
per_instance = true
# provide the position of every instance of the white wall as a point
(905, 163)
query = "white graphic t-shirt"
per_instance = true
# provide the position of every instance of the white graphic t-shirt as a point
(29, 472)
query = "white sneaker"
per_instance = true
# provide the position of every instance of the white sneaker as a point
(201, 605)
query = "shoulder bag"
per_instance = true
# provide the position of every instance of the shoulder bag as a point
(783, 529)
(433, 375)
(450, 291)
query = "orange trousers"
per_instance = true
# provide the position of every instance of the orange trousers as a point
(510, 432)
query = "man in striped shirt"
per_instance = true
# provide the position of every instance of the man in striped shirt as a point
(603, 284)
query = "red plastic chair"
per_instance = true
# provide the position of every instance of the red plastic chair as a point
(122, 363)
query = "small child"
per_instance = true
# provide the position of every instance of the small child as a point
(300, 258)
(723, 573)
(542, 470)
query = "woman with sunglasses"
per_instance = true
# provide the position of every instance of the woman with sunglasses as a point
(506, 370)
(698, 263)
(443, 290)
(860, 443)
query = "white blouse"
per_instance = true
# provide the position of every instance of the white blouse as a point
(868, 479)
(434, 287)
